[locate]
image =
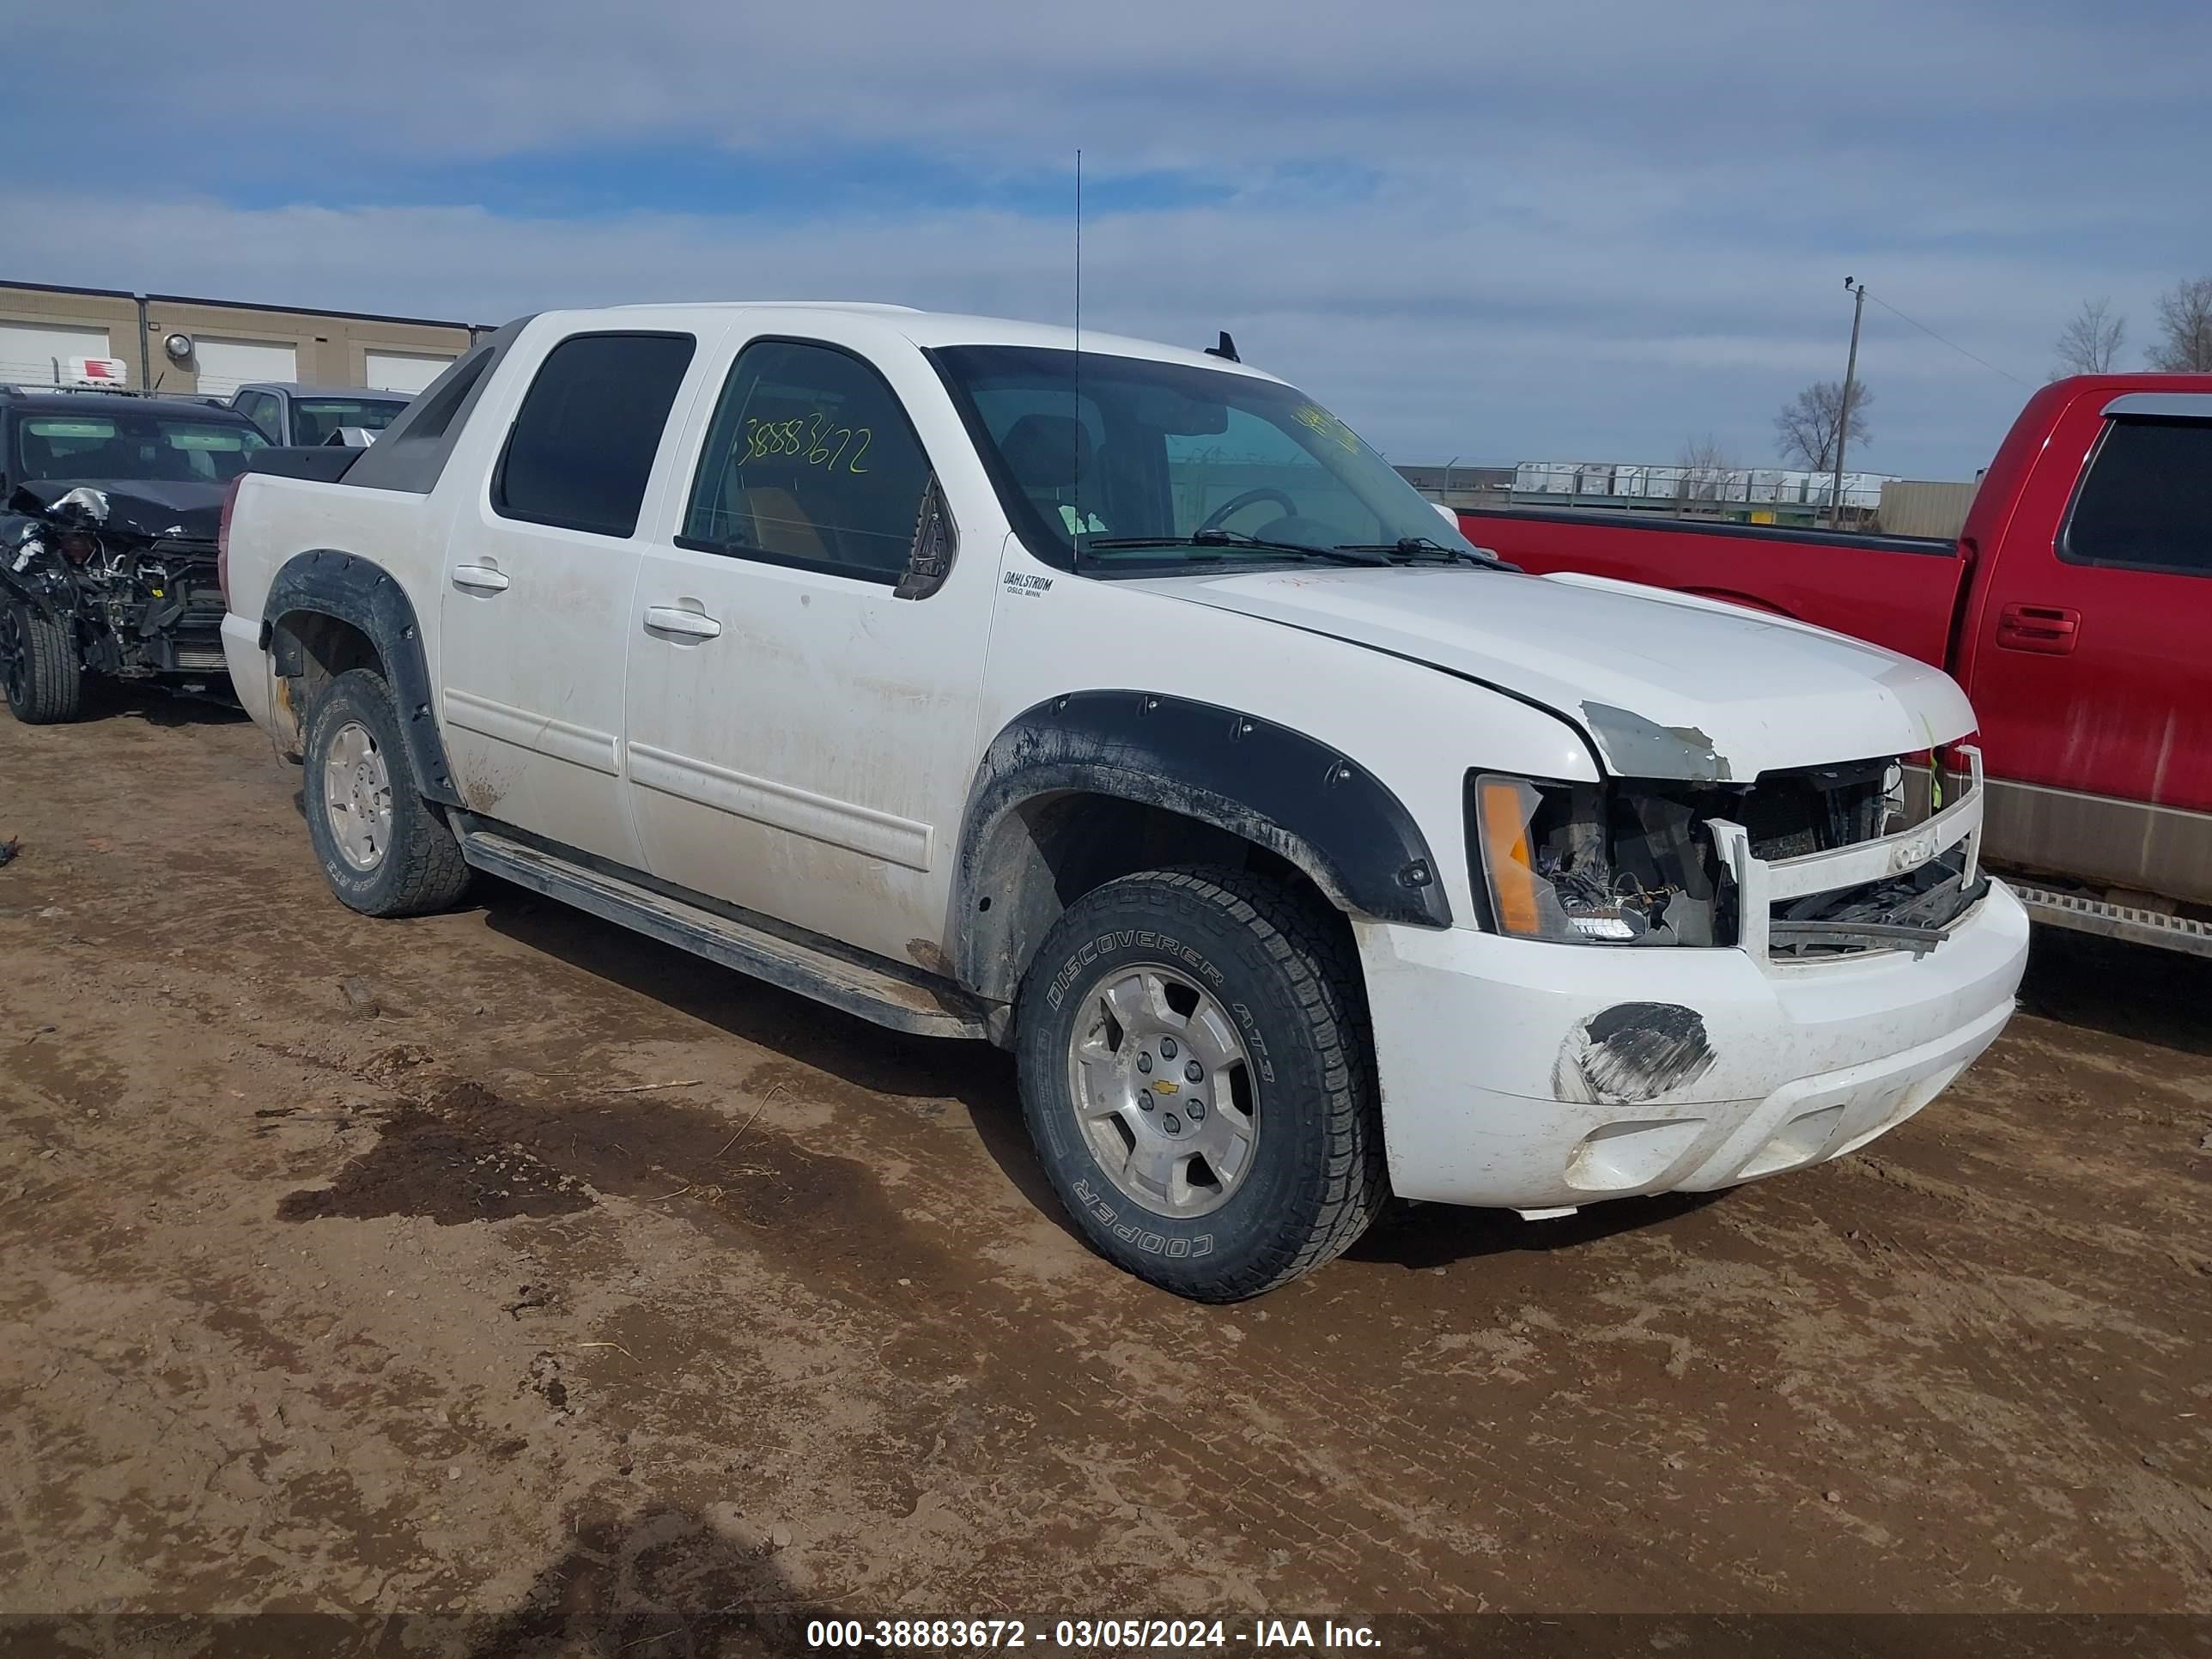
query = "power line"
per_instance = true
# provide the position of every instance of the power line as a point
(1953, 344)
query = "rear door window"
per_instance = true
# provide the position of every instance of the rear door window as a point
(582, 445)
(811, 461)
(2146, 500)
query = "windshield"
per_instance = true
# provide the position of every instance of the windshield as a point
(313, 419)
(126, 445)
(1158, 464)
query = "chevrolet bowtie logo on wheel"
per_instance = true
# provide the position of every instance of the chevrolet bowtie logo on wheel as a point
(1164, 1087)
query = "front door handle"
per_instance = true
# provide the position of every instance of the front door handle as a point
(674, 619)
(480, 578)
(2049, 628)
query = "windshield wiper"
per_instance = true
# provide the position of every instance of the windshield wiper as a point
(1410, 548)
(1238, 538)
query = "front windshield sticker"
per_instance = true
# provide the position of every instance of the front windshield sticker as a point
(1313, 418)
(70, 428)
(206, 440)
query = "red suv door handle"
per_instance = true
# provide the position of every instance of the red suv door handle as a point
(2051, 629)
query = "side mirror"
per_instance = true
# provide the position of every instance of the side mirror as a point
(929, 558)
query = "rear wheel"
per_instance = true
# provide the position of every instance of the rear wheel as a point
(1198, 1077)
(38, 668)
(384, 849)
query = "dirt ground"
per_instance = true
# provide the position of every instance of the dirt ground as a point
(502, 1263)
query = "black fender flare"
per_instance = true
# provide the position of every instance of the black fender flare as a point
(1255, 780)
(329, 582)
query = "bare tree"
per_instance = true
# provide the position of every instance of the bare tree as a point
(1703, 467)
(2090, 342)
(1806, 429)
(2184, 323)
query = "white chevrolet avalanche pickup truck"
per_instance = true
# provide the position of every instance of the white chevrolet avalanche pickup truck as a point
(1114, 703)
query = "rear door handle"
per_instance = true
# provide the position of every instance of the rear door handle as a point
(480, 578)
(674, 619)
(2049, 628)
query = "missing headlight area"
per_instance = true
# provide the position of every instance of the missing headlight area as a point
(1632, 862)
(1598, 864)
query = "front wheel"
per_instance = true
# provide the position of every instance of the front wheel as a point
(384, 849)
(1198, 1080)
(38, 668)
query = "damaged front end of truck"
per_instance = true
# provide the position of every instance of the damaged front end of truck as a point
(127, 572)
(1806, 863)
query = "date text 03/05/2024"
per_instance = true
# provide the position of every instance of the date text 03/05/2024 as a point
(1092, 1634)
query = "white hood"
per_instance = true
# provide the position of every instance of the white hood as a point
(1665, 685)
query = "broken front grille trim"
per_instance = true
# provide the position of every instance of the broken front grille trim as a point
(1762, 884)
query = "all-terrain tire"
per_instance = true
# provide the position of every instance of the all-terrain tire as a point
(419, 867)
(44, 680)
(1278, 965)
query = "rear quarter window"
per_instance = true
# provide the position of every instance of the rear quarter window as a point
(582, 445)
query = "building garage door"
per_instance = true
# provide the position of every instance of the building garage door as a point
(31, 353)
(404, 371)
(226, 365)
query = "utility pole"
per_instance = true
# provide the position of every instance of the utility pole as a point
(1843, 414)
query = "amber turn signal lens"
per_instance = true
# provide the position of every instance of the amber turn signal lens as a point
(1505, 848)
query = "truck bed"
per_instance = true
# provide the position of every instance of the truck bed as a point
(324, 463)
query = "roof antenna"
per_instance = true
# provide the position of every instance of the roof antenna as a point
(1075, 539)
(1226, 349)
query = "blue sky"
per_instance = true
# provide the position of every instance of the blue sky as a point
(1591, 229)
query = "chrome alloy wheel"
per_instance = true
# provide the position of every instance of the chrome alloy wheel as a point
(358, 796)
(1163, 1091)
